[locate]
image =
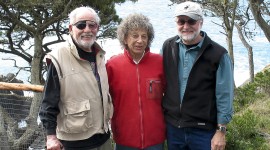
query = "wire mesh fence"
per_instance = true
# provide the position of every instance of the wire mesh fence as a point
(19, 129)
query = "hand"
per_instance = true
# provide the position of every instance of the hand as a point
(218, 141)
(53, 143)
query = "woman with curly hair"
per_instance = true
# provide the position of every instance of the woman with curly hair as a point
(136, 83)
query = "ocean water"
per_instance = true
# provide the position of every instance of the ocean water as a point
(160, 13)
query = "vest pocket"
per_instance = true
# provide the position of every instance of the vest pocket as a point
(154, 89)
(78, 117)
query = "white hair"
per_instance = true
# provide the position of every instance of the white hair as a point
(73, 13)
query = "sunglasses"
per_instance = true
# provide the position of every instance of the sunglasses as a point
(82, 25)
(189, 21)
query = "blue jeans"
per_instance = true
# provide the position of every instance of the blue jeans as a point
(189, 138)
(154, 147)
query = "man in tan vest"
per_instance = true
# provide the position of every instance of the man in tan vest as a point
(76, 106)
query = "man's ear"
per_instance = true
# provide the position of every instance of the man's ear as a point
(70, 28)
(201, 22)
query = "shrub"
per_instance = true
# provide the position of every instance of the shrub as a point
(262, 80)
(245, 96)
(242, 134)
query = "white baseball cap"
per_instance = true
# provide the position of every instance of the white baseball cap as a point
(190, 9)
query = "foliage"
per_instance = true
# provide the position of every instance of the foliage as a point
(242, 134)
(245, 96)
(250, 125)
(262, 80)
(24, 30)
(261, 109)
(20, 23)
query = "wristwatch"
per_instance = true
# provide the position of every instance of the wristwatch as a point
(222, 129)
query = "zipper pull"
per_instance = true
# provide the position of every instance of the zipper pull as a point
(150, 86)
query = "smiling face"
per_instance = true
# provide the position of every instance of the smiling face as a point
(84, 36)
(189, 29)
(136, 42)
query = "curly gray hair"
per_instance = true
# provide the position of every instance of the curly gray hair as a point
(133, 22)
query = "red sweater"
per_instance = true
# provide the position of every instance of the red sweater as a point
(136, 91)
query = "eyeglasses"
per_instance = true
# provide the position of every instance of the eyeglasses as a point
(189, 21)
(82, 25)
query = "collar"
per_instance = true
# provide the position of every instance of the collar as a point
(74, 50)
(146, 51)
(139, 59)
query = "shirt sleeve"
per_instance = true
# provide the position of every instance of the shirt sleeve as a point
(225, 90)
(49, 105)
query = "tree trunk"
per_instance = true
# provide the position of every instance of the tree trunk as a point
(230, 44)
(30, 133)
(36, 64)
(250, 52)
(36, 68)
(229, 23)
(256, 11)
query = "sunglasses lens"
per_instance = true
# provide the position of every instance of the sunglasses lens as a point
(181, 22)
(81, 26)
(92, 25)
(189, 21)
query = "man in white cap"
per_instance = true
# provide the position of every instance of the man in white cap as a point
(199, 92)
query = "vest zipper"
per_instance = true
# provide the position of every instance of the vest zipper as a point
(179, 123)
